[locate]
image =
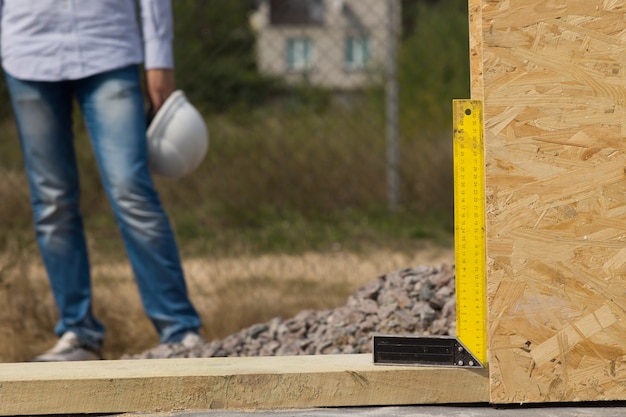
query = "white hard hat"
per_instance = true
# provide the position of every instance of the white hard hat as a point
(178, 138)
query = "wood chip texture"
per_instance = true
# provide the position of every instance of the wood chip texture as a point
(552, 77)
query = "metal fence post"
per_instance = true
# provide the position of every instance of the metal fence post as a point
(391, 119)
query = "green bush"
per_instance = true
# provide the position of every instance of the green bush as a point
(434, 65)
(214, 53)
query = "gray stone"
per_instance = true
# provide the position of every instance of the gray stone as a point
(416, 300)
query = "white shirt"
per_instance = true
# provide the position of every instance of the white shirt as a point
(53, 40)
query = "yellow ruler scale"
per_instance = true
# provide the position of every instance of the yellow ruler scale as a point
(469, 227)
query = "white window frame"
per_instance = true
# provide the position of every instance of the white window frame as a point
(357, 52)
(299, 53)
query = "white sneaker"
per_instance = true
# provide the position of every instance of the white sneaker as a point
(68, 348)
(192, 340)
(190, 346)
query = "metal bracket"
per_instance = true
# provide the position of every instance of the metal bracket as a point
(424, 351)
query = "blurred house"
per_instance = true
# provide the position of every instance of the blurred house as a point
(341, 44)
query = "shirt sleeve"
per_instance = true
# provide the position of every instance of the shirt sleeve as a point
(158, 33)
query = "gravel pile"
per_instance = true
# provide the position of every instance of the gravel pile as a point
(419, 300)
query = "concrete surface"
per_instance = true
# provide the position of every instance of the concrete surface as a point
(573, 410)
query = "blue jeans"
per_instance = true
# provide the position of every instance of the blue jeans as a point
(112, 107)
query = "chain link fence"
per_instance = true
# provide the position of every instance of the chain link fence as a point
(313, 106)
(317, 109)
(332, 118)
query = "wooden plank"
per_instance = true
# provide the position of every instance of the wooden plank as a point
(553, 83)
(229, 383)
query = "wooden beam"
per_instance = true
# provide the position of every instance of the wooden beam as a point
(229, 383)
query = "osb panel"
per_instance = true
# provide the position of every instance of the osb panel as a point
(475, 48)
(553, 83)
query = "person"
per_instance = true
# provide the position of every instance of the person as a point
(59, 52)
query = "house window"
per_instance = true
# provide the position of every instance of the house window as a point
(299, 54)
(357, 52)
(297, 12)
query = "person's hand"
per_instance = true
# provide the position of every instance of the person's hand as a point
(160, 84)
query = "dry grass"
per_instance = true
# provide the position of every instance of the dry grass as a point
(230, 294)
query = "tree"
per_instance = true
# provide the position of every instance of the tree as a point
(214, 47)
